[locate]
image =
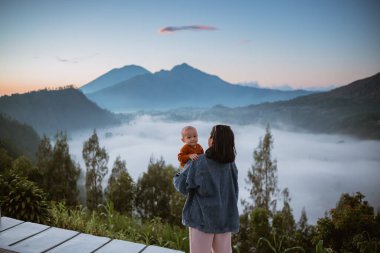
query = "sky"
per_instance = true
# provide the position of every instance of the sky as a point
(302, 44)
(316, 176)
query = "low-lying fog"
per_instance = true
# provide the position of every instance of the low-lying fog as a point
(316, 168)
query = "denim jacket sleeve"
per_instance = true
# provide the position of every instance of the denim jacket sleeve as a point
(235, 175)
(186, 180)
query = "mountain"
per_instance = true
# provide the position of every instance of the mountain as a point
(113, 77)
(17, 139)
(352, 109)
(182, 86)
(47, 111)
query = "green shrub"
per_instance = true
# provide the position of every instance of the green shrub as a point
(108, 222)
(22, 199)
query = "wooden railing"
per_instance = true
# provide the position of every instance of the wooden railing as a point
(20, 236)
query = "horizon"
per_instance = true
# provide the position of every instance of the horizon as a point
(289, 44)
(255, 84)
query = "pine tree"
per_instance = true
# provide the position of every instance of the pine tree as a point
(156, 196)
(289, 224)
(121, 189)
(62, 174)
(96, 160)
(119, 166)
(283, 223)
(304, 233)
(44, 158)
(263, 176)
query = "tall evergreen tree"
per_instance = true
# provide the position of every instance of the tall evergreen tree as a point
(96, 159)
(119, 166)
(283, 223)
(304, 233)
(121, 189)
(288, 222)
(262, 176)
(61, 173)
(44, 154)
(156, 196)
(44, 160)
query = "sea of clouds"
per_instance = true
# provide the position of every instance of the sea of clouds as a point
(317, 168)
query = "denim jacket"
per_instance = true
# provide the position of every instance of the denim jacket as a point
(212, 195)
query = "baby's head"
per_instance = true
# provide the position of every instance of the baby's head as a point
(189, 135)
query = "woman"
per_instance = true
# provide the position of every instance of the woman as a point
(211, 186)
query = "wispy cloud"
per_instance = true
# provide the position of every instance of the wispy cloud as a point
(75, 59)
(170, 29)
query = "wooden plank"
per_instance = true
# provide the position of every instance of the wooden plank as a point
(7, 222)
(83, 243)
(44, 240)
(28, 237)
(121, 246)
(7, 251)
(20, 232)
(156, 249)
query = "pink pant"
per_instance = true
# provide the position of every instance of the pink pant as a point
(201, 242)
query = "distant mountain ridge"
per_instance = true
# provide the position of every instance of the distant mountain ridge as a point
(113, 77)
(182, 86)
(48, 111)
(352, 109)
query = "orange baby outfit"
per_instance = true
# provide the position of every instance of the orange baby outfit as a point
(187, 150)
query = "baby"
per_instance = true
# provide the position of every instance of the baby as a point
(191, 149)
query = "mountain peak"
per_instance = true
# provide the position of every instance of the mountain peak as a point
(132, 66)
(113, 77)
(183, 66)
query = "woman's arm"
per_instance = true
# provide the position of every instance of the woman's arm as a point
(186, 180)
(179, 180)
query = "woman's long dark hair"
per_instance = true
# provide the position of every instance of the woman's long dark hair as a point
(223, 144)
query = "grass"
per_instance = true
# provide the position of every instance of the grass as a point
(109, 223)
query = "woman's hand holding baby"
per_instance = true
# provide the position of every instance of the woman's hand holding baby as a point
(193, 156)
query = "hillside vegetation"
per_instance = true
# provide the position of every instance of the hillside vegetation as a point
(49, 111)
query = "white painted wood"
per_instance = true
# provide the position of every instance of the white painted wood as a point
(121, 247)
(30, 237)
(7, 222)
(20, 232)
(83, 243)
(43, 241)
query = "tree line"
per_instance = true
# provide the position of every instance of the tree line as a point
(27, 190)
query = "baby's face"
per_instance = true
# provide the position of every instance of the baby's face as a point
(190, 137)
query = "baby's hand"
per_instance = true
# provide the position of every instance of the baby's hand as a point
(193, 157)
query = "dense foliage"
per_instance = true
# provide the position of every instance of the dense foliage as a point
(121, 189)
(22, 199)
(351, 226)
(106, 221)
(156, 196)
(59, 172)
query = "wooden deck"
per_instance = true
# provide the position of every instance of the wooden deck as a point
(20, 236)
